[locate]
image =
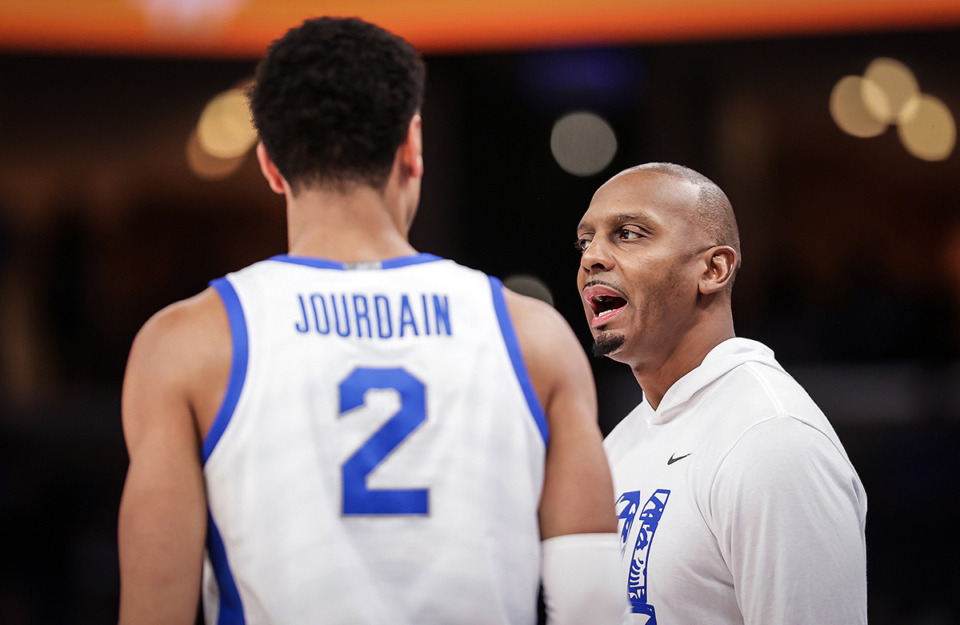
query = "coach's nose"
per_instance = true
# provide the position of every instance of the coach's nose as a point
(596, 257)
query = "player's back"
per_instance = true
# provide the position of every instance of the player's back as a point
(379, 453)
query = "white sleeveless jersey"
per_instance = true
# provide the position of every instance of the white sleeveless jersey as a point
(378, 457)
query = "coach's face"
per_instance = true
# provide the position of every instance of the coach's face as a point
(642, 257)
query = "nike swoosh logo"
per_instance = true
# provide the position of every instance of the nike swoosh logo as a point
(672, 459)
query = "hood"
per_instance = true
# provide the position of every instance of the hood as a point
(722, 359)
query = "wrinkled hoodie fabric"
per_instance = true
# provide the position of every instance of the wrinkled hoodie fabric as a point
(737, 501)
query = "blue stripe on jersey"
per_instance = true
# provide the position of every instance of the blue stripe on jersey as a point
(322, 263)
(238, 368)
(519, 366)
(230, 610)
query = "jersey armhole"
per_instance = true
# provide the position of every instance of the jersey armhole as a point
(516, 358)
(238, 365)
(229, 606)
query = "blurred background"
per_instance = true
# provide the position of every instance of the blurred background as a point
(127, 182)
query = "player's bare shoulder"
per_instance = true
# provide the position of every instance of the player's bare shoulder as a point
(554, 356)
(184, 331)
(536, 322)
(185, 349)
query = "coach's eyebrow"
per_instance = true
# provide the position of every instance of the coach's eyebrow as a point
(619, 220)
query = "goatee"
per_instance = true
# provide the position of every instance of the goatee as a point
(606, 344)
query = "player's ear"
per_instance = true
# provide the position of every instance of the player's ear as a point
(721, 264)
(411, 151)
(269, 170)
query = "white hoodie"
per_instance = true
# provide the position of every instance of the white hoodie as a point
(737, 501)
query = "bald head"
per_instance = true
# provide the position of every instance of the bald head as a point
(714, 211)
(658, 256)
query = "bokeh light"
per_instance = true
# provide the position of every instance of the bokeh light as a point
(225, 129)
(583, 143)
(848, 109)
(927, 129)
(529, 285)
(889, 94)
(200, 16)
(897, 86)
(206, 166)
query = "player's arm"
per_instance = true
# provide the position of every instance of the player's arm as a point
(163, 519)
(578, 490)
(581, 573)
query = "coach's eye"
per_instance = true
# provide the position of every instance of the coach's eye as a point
(582, 243)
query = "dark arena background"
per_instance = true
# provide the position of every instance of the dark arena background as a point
(127, 181)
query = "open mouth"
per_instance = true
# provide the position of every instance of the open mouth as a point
(604, 302)
(606, 305)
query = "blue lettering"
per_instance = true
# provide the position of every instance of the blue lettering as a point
(383, 315)
(362, 314)
(316, 315)
(430, 317)
(426, 315)
(649, 520)
(303, 312)
(441, 311)
(345, 331)
(406, 316)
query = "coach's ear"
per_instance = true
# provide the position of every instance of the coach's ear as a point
(719, 270)
(269, 169)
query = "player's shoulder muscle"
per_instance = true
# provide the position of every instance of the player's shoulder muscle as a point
(176, 352)
(177, 332)
(554, 356)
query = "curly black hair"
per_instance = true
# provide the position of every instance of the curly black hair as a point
(332, 101)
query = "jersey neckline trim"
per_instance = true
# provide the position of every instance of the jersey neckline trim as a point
(323, 263)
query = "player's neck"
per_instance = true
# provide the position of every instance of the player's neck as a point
(361, 225)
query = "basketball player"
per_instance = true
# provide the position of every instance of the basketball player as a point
(355, 432)
(737, 502)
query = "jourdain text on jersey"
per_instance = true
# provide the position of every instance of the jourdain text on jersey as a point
(364, 315)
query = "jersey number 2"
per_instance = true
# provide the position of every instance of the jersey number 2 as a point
(357, 497)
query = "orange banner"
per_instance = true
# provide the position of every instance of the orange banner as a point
(243, 28)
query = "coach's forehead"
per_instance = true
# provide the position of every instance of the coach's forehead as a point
(657, 194)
